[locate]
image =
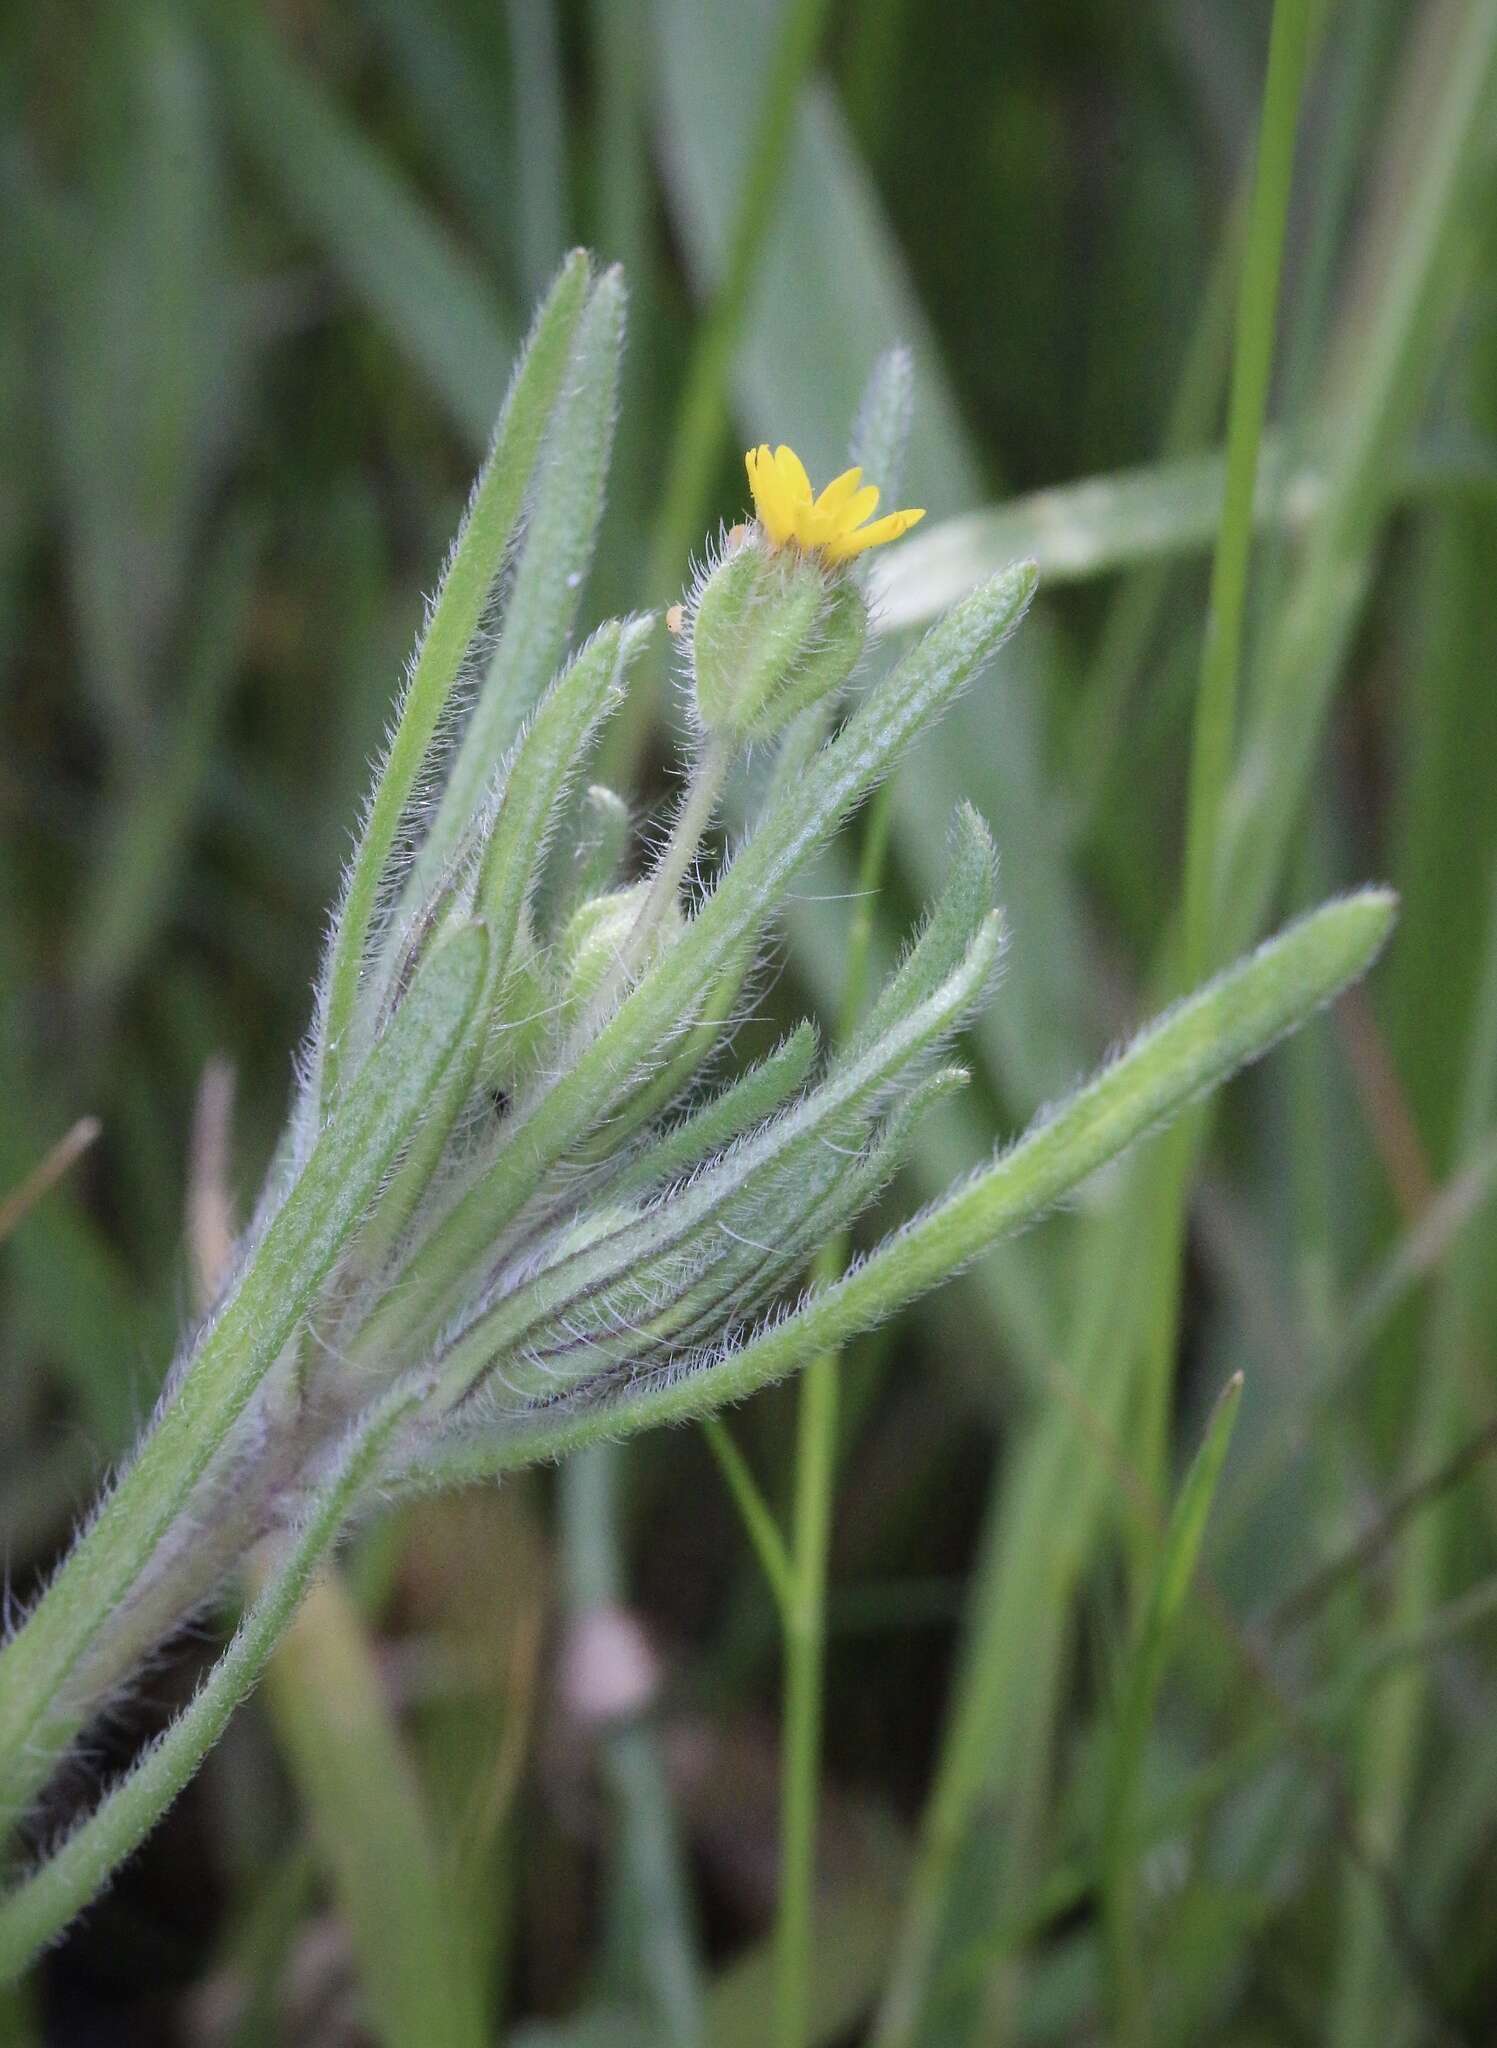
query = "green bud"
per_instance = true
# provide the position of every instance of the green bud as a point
(595, 937)
(772, 630)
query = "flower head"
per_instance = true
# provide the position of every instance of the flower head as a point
(835, 524)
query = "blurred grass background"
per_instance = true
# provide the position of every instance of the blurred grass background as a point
(262, 274)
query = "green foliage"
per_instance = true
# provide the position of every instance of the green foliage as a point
(508, 1285)
(599, 1084)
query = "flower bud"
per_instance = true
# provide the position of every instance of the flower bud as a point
(772, 630)
(595, 938)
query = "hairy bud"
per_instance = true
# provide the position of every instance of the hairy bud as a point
(597, 934)
(772, 630)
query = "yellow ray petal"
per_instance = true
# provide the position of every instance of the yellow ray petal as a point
(886, 529)
(760, 469)
(771, 504)
(815, 527)
(838, 493)
(793, 474)
(862, 505)
(834, 523)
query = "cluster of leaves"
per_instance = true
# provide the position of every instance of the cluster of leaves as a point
(492, 1229)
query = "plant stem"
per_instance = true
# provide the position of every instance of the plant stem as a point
(804, 1609)
(708, 775)
(659, 1934)
(801, 1721)
(1257, 323)
(757, 1517)
(709, 772)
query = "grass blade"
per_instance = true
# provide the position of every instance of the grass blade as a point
(1143, 1676)
(147, 832)
(326, 1699)
(1157, 513)
(392, 251)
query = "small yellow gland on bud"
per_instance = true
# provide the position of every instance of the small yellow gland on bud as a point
(772, 631)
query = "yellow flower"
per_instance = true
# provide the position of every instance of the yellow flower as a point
(834, 523)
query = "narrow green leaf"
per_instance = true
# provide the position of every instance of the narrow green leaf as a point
(467, 583)
(758, 1518)
(789, 1235)
(1190, 1050)
(1103, 524)
(949, 928)
(753, 1097)
(881, 432)
(328, 1704)
(542, 601)
(668, 1083)
(612, 1286)
(545, 761)
(546, 758)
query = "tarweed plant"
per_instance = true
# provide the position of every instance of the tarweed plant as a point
(523, 1200)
